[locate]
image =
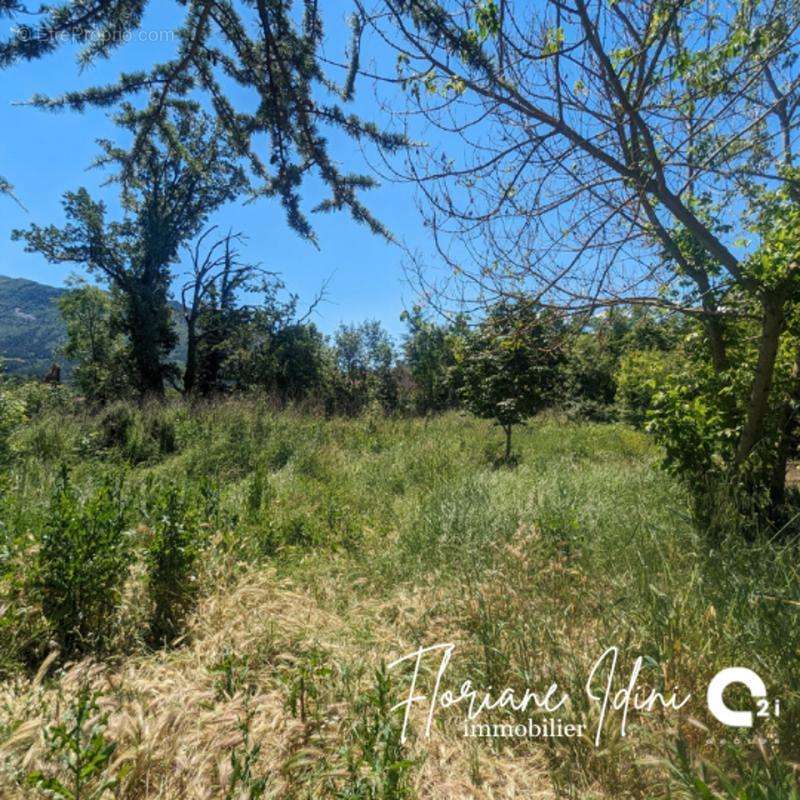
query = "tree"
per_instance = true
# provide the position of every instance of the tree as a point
(102, 370)
(12, 415)
(616, 153)
(595, 348)
(510, 365)
(268, 49)
(364, 357)
(167, 194)
(208, 301)
(430, 354)
(300, 361)
(269, 345)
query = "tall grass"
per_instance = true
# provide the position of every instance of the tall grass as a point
(380, 535)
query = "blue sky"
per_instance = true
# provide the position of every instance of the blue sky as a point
(45, 154)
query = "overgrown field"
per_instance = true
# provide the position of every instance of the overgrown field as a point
(199, 602)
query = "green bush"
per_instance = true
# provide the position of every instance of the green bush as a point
(641, 374)
(12, 415)
(138, 434)
(696, 414)
(115, 423)
(40, 398)
(171, 559)
(82, 563)
(695, 417)
(49, 438)
(163, 434)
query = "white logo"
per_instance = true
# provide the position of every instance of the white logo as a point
(716, 701)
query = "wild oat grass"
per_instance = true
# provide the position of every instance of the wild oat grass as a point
(330, 546)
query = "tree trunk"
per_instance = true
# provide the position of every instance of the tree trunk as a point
(716, 340)
(758, 405)
(786, 429)
(777, 482)
(149, 378)
(148, 324)
(190, 372)
(507, 429)
(712, 321)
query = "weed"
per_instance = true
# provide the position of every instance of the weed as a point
(766, 778)
(304, 683)
(231, 671)
(377, 765)
(79, 754)
(171, 560)
(82, 562)
(369, 534)
(245, 783)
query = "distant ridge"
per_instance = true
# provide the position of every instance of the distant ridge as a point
(31, 329)
(30, 326)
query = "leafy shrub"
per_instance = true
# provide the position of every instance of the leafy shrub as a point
(39, 398)
(82, 563)
(696, 414)
(163, 434)
(696, 418)
(597, 347)
(12, 415)
(139, 435)
(171, 559)
(641, 374)
(52, 439)
(115, 423)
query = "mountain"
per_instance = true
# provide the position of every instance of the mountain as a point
(31, 329)
(30, 326)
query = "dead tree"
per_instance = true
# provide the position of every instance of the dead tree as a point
(217, 276)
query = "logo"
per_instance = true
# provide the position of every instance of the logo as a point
(728, 716)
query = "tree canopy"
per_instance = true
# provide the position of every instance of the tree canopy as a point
(509, 365)
(167, 194)
(270, 48)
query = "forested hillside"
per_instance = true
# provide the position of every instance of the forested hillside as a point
(31, 328)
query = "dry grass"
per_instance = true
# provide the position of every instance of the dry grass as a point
(175, 730)
(339, 545)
